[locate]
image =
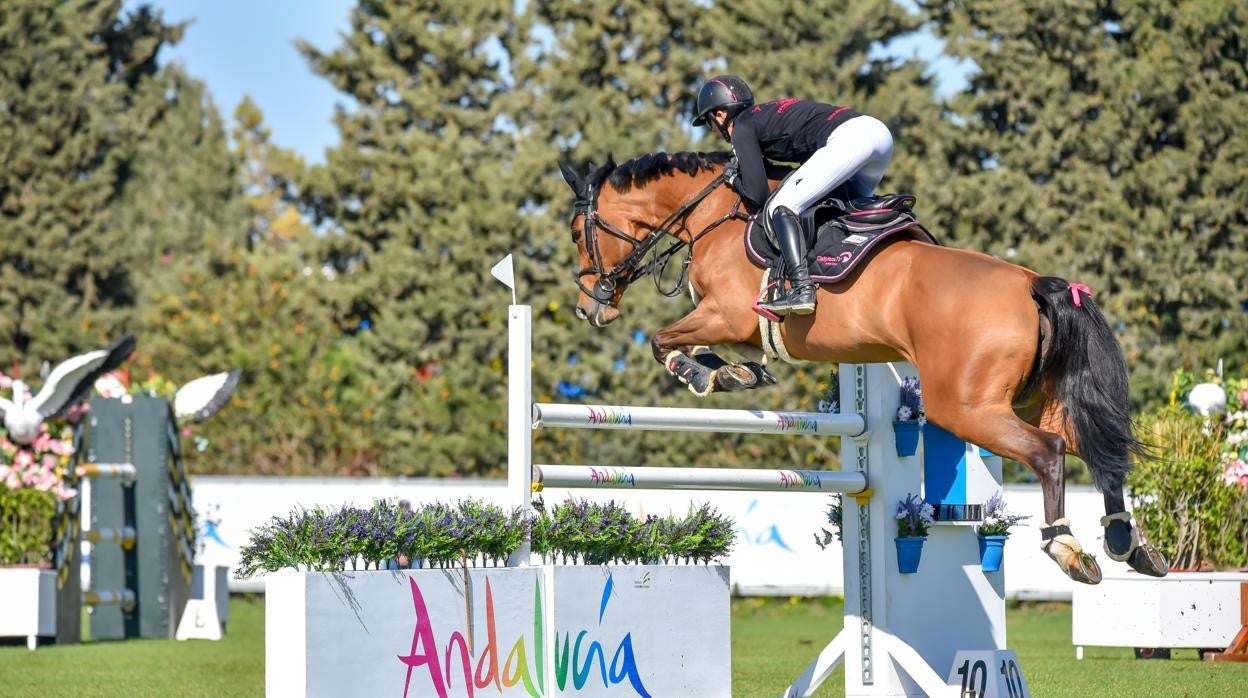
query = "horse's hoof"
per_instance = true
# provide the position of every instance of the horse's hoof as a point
(1146, 559)
(1084, 569)
(761, 374)
(1066, 551)
(734, 377)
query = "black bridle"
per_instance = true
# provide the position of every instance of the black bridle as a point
(631, 268)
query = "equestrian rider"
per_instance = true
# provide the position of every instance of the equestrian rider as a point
(834, 146)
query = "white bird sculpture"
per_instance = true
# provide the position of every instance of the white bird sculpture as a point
(203, 397)
(69, 383)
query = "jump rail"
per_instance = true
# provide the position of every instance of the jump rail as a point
(696, 419)
(655, 478)
(125, 471)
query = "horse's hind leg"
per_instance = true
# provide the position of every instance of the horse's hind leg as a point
(1122, 539)
(998, 429)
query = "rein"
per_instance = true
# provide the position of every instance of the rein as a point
(629, 269)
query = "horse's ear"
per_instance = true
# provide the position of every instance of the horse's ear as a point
(572, 178)
(610, 163)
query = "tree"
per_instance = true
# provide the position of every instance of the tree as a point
(413, 224)
(70, 121)
(255, 297)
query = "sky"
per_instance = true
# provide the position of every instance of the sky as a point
(247, 47)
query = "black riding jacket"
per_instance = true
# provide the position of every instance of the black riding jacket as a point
(784, 130)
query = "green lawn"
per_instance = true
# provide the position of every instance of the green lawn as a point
(772, 641)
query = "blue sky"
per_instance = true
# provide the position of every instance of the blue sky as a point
(246, 47)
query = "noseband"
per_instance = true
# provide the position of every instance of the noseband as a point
(631, 268)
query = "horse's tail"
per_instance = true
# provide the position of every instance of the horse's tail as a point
(1084, 372)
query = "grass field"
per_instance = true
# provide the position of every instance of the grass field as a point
(772, 640)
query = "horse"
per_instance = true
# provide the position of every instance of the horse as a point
(1021, 364)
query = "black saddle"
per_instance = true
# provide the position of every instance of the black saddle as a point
(841, 232)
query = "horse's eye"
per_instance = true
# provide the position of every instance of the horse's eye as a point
(576, 235)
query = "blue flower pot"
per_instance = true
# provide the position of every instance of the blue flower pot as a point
(909, 550)
(907, 434)
(991, 552)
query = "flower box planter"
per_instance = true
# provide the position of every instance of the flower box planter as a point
(991, 552)
(1196, 610)
(906, 435)
(909, 553)
(548, 630)
(27, 603)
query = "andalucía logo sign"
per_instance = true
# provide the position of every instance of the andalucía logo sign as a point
(442, 666)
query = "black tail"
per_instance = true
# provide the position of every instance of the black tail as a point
(1084, 369)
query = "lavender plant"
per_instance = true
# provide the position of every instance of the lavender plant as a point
(911, 407)
(997, 521)
(438, 534)
(835, 513)
(913, 517)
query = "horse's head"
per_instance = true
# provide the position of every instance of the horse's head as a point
(605, 250)
(618, 223)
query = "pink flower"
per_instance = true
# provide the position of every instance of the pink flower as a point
(12, 481)
(5, 381)
(24, 458)
(186, 431)
(76, 412)
(42, 442)
(49, 461)
(1236, 473)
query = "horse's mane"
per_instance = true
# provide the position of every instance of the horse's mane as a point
(644, 169)
(647, 168)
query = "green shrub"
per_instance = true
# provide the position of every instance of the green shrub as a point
(26, 517)
(1181, 500)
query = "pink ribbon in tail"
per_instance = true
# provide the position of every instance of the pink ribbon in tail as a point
(1075, 290)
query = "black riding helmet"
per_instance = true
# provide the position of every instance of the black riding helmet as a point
(723, 92)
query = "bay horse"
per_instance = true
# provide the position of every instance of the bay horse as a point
(1020, 364)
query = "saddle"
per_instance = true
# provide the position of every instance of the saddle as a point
(845, 232)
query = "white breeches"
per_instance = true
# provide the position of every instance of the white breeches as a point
(856, 154)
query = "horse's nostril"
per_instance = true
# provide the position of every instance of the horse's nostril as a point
(580, 313)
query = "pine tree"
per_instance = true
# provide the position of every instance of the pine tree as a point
(410, 199)
(69, 125)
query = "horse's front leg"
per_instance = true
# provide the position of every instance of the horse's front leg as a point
(682, 349)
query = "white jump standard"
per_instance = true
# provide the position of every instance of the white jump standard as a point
(895, 640)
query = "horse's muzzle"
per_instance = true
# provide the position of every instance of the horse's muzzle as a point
(596, 314)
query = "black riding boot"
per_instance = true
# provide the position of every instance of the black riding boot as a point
(800, 298)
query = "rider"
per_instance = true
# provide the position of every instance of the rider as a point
(834, 145)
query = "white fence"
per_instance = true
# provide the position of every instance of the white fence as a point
(775, 553)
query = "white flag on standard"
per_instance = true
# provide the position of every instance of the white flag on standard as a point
(504, 272)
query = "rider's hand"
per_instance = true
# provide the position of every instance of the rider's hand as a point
(731, 173)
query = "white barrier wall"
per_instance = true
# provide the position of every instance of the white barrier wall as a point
(775, 553)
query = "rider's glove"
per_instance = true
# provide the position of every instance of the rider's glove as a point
(731, 173)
